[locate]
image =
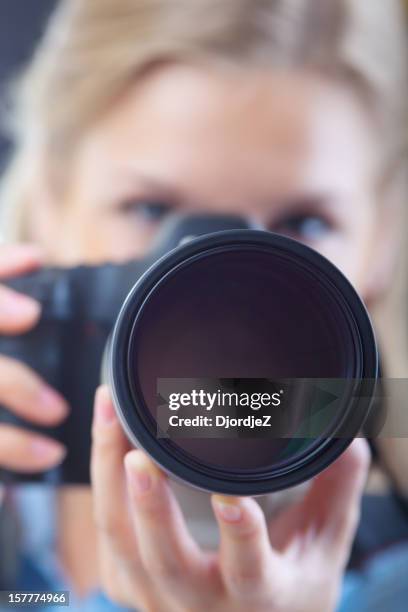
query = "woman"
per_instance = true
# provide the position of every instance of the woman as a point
(287, 111)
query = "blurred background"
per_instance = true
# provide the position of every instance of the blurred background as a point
(21, 25)
(385, 507)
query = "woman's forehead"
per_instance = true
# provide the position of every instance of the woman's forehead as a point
(183, 126)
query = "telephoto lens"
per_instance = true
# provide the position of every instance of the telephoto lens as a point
(242, 362)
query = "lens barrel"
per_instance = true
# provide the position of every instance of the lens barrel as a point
(243, 311)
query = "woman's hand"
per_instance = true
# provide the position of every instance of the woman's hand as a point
(149, 561)
(21, 390)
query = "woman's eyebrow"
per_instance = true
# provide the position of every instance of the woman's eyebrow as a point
(305, 200)
(146, 183)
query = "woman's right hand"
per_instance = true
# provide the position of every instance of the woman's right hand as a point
(149, 560)
(22, 391)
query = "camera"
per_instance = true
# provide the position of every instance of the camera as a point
(218, 309)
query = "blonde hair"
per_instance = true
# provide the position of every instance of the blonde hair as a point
(93, 49)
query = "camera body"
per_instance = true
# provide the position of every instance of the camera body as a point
(79, 309)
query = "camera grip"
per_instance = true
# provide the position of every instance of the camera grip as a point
(79, 306)
(67, 355)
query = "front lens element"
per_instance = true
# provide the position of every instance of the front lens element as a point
(247, 306)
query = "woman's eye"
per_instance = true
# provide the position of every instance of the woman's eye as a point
(304, 226)
(151, 212)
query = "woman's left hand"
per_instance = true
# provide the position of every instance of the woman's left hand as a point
(149, 561)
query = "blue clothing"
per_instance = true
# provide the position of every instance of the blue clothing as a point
(380, 586)
(31, 579)
(39, 565)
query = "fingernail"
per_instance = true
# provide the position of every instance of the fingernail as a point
(52, 402)
(48, 449)
(104, 409)
(20, 305)
(231, 513)
(139, 478)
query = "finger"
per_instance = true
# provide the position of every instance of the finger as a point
(109, 446)
(25, 394)
(249, 565)
(330, 507)
(121, 571)
(335, 499)
(291, 520)
(169, 554)
(18, 312)
(23, 451)
(19, 259)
